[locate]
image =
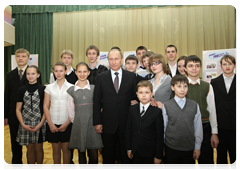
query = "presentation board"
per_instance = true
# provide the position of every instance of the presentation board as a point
(211, 63)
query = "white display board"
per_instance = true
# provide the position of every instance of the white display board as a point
(211, 63)
(103, 59)
(33, 61)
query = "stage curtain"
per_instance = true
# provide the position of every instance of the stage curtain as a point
(192, 29)
(34, 33)
(71, 8)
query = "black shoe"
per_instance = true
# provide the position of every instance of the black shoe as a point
(53, 167)
(72, 165)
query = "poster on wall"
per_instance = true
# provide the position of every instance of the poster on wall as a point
(33, 61)
(103, 59)
(211, 63)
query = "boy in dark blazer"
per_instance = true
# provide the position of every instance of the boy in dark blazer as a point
(224, 88)
(15, 79)
(145, 129)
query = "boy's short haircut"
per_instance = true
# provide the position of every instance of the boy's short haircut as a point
(145, 83)
(68, 52)
(22, 50)
(147, 54)
(182, 58)
(141, 48)
(92, 47)
(115, 47)
(228, 57)
(158, 58)
(131, 57)
(171, 46)
(59, 63)
(179, 78)
(194, 59)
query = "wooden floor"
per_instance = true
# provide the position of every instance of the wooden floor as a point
(47, 151)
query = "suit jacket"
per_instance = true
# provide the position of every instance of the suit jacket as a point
(145, 135)
(177, 72)
(115, 105)
(225, 103)
(12, 85)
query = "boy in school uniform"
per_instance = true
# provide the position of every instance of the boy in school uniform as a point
(182, 143)
(141, 69)
(67, 58)
(202, 93)
(92, 54)
(224, 87)
(171, 53)
(145, 129)
(14, 81)
(145, 58)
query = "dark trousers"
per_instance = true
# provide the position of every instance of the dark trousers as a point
(173, 156)
(206, 156)
(110, 147)
(227, 142)
(140, 160)
(16, 148)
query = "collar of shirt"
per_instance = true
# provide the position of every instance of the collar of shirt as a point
(174, 67)
(230, 78)
(180, 102)
(85, 87)
(96, 66)
(119, 73)
(145, 106)
(64, 84)
(23, 69)
(193, 82)
(69, 72)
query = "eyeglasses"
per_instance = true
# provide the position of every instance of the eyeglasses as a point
(154, 63)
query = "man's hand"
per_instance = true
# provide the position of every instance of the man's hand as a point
(5, 122)
(214, 141)
(133, 102)
(196, 154)
(99, 128)
(154, 102)
(157, 161)
(130, 155)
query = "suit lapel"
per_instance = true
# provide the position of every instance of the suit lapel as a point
(109, 80)
(149, 111)
(124, 80)
(222, 84)
(233, 85)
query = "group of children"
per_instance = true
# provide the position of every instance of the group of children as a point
(174, 119)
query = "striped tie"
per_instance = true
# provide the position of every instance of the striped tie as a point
(20, 74)
(143, 112)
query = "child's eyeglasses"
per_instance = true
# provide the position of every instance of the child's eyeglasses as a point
(154, 63)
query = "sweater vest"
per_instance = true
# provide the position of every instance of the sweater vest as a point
(179, 133)
(199, 94)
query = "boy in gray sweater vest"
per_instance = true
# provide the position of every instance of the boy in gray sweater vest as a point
(182, 125)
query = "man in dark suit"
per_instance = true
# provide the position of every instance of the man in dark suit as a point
(114, 90)
(14, 81)
(224, 88)
(145, 128)
(171, 53)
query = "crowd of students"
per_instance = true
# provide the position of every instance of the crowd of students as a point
(148, 112)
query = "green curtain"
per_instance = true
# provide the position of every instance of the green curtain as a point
(70, 8)
(34, 33)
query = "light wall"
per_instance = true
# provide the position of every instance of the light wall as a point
(192, 29)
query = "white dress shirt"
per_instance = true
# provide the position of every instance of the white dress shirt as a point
(228, 81)
(96, 66)
(58, 98)
(198, 131)
(69, 72)
(119, 76)
(145, 107)
(173, 69)
(211, 106)
(70, 101)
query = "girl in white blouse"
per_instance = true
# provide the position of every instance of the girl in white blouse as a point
(55, 110)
